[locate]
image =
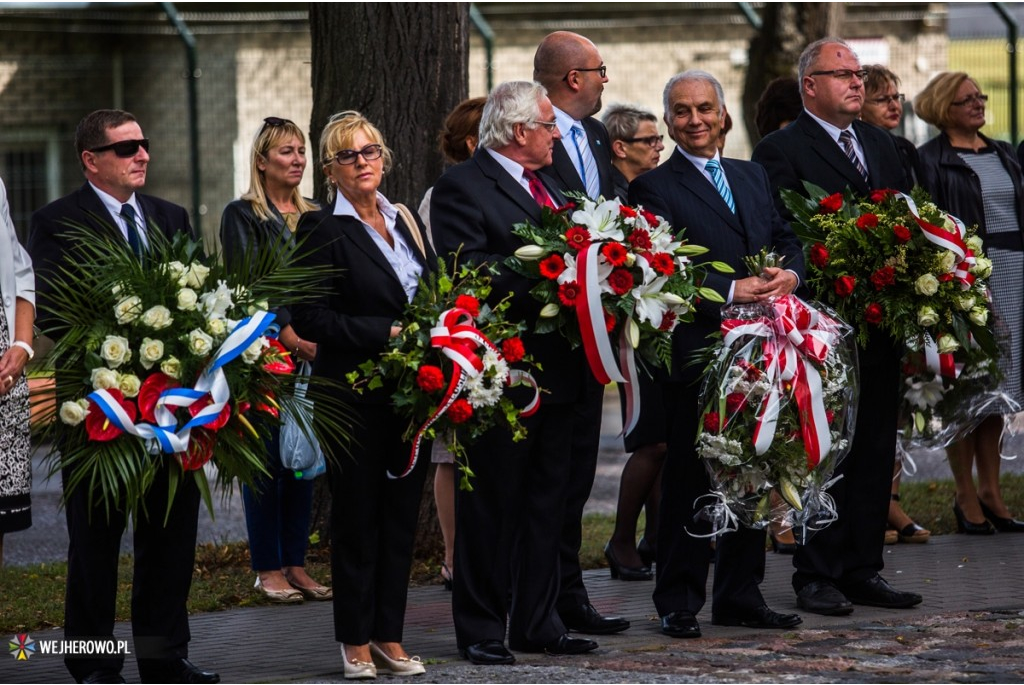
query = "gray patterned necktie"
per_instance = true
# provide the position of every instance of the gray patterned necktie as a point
(846, 138)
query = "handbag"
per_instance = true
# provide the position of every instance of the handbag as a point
(300, 450)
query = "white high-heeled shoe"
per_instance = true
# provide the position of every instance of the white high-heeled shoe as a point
(356, 669)
(403, 666)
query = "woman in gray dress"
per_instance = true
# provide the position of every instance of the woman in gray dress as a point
(979, 180)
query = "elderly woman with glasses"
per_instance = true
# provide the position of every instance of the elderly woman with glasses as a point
(277, 509)
(979, 180)
(377, 253)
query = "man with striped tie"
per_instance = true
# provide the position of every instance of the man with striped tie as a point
(829, 146)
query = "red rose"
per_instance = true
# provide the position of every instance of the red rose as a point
(878, 196)
(667, 321)
(652, 220)
(615, 253)
(713, 422)
(819, 255)
(829, 415)
(219, 420)
(460, 411)
(845, 285)
(902, 233)
(620, 281)
(640, 239)
(866, 221)
(735, 402)
(429, 378)
(276, 358)
(873, 313)
(663, 263)
(627, 211)
(609, 321)
(512, 350)
(577, 238)
(98, 426)
(551, 267)
(469, 303)
(568, 292)
(831, 204)
(200, 450)
(149, 393)
(883, 277)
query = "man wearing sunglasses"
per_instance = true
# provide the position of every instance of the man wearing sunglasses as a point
(114, 156)
(829, 146)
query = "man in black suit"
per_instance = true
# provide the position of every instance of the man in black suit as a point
(114, 156)
(504, 524)
(828, 146)
(570, 68)
(738, 221)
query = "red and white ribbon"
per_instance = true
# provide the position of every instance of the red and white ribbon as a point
(952, 241)
(596, 344)
(940, 363)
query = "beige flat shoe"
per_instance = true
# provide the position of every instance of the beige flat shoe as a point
(316, 594)
(356, 669)
(404, 666)
(287, 596)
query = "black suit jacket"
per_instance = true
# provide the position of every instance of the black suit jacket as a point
(472, 210)
(563, 171)
(50, 242)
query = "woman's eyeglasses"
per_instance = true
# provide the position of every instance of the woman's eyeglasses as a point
(970, 100)
(369, 153)
(886, 99)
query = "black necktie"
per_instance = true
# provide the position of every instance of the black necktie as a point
(131, 219)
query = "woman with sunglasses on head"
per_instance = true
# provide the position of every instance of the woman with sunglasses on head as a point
(278, 508)
(377, 252)
(979, 180)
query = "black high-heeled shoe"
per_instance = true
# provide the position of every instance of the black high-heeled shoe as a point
(970, 527)
(648, 552)
(619, 571)
(780, 547)
(446, 576)
(1003, 525)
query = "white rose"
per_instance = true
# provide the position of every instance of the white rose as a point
(966, 302)
(216, 327)
(115, 351)
(128, 309)
(982, 267)
(116, 290)
(199, 343)
(926, 316)
(150, 352)
(177, 271)
(974, 243)
(129, 385)
(253, 352)
(979, 316)
(926, 285)
(187, 299)
(947, 262)
(949, 225)
(171, 366)
(947, 344)
(73, 413)
(196, 275)
(104, 379)
(157, 317)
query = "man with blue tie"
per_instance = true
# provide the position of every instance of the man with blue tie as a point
(114, 156)
(725, 205)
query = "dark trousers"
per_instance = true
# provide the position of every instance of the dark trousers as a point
(507, 534)
(850, 550)
(682, 569)
(586, 441)
(277, 513)
(373, 526)
(164, 560)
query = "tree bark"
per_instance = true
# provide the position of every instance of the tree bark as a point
(404, 66)
(786, 30)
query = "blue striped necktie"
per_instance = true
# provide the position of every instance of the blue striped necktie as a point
(588, 166)
(714, 169)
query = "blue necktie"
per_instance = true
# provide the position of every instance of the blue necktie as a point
(714, 169)
(131, 220)
(588, 166)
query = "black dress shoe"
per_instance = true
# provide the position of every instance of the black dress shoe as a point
(648, 552)
(876, 592)
(620, 571)
(968, 527)
(761, 617)
(586, 619)
(174, 671)
(680, 624)
(819, 597)
(103, 676)
(1003, 525)
(566, 645)
(487, 653)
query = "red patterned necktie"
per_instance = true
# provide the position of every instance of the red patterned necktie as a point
(540, 194)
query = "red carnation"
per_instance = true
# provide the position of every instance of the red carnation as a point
(831, 204)
(200, 450)
(552, 266)
(652, 220)
(429, 378)
(873, 313)
(620, 281)
(902, 233)
(866, 221)
(845, 285)
(150, 392)
(469, 303)
(98, 426)
(713, 422)
(885, 276)
(640, 239)
(512, 350)
(276, 358)
(668, 321)
(615, 253)
(219, 420)
(609, 321)
(819, 255)
(735, 402)
(577, 238)
(568, 292)
(663, 263)
(627, 211)
(878, 196)
(460, 411)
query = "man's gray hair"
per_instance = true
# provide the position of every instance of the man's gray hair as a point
(623, 121)
(693, 75)
(811, 53)
(510, 103)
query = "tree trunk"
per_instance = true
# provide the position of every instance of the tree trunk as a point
(786, 30)
(404, 66)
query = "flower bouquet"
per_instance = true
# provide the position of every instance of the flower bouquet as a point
(451, 366)
(609, 272)
(172, 357)
(779, 399)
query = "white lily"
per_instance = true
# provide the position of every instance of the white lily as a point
(600, 220)
(925, 394)
(650, 303)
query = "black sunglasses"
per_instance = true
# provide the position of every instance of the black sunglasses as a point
(274, 122)
(124, 148)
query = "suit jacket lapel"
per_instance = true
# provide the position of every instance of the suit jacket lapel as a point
(96, 214)
(696, 183)
(564, 171)
(510, 186)
(870, 154)
(355, 231)
(829, 150)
